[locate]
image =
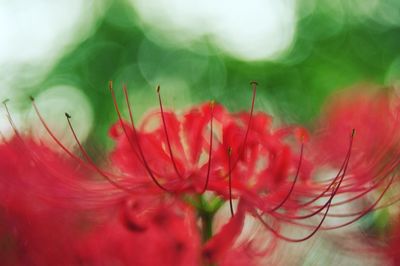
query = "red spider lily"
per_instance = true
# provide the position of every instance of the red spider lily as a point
(246, 156)
(364, 181)
(54, 213)
(373, 175)
(170, 160)
(376, 117)
(186, 155)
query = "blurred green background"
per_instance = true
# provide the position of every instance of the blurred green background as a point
(300, 52)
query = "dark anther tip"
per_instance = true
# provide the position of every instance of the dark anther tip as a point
(158, 89)
(353, 132)
(68, 115)
(5, 101)
(229, 151)
(31, 98)
(253, 82)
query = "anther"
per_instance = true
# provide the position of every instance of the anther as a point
(254, 83)
(212, 104)
(90, 161)
(88, 165)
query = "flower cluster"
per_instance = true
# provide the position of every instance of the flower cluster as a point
(173, 173)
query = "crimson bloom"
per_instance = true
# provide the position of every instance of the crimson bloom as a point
(244, 159)
(372, 179)
(375, 149)
(171, 174)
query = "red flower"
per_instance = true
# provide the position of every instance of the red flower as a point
(237, 156)
(206, 147)
(374, 115)
(372, 169)
(55, 212)
(151, 208)
(39, 205)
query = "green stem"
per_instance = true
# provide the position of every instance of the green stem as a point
(206, 210)
(206, 221)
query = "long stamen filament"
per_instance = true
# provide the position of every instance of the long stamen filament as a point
(11, 121)
(60, 144)
(253, 99)
(276, 233)
(3, 138)
(90, 161)
(334, 181)
(110, 86)
(334, 186)
(166, 133)
(294, 181)
(367, 210)
(335, 189)
(135, 135)
(43, 122)
(212, 103)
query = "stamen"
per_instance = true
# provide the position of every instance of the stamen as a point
(343, 169)
(121, 122)
(166, 133)
(50, 132)
(253, 99)
(3, 138)
(90, 161)
(19, 137)
(394, 164)
(59, 143)
(212, 104)
(144, 161)
(11, 121)
(391, 167)
(294, 181)
(230, 180)
(335, 189)
(367, 210)
(389, 171)
(276, 233)
(335, 186)
(240, 153)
